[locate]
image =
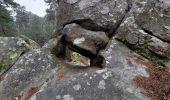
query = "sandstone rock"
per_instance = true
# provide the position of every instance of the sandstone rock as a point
(11, 48)
(113, 82)
(84, 39)
(92, 14)
(27, 75)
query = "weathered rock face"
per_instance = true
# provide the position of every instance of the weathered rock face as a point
(156, 18)
(27, 75)
(11, 48)
(113, 82)
(92, 14)
(142, 30)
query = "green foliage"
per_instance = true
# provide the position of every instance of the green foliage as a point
(145, 52)
(6, 20)
(26, 23)
(22, 18)
(50, 16)
(37, 28)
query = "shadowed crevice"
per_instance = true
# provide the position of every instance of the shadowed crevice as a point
(151, 33)
(89, 25)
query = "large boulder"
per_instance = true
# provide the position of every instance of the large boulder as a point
(91, 14)
(11, 48)
(27, 75)
(141, 31)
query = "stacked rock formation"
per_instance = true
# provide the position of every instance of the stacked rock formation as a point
(127, 42)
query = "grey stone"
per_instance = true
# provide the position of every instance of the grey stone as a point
(155, 18)
(112, 82)
(11, 48)
(27, 75)
(90, 41)
(131, 33)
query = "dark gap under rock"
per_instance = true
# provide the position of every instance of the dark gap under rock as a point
(129, 5)
(95, 59)
(89, 25)
(60, 48)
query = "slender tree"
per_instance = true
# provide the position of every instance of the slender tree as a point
(22, 19)
(50, 16)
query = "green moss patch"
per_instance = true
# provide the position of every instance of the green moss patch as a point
(2, 66)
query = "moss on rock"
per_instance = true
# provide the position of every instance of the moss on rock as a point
(142, 50)
(2, 66)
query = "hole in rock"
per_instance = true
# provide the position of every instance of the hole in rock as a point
(77, 56)
(76, 59)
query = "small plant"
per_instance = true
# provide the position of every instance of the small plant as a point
(2, 66)
(75, 57)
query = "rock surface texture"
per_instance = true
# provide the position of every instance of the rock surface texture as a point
(103, 15)
(85, 39)
(11, 48)
(127, 42)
